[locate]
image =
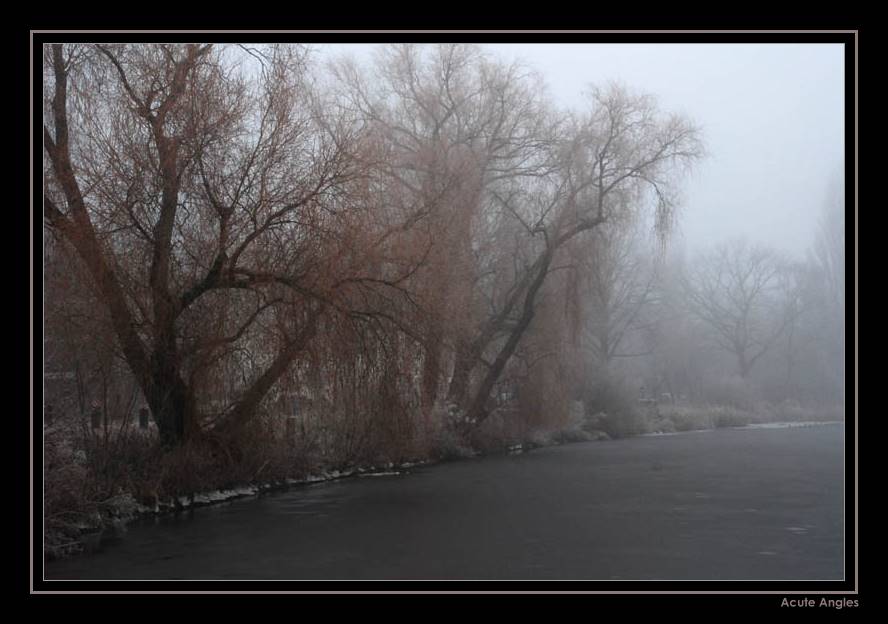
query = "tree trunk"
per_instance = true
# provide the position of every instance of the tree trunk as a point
(605, 345)
(477, 411)
(462, 371)
(788, 390)
(173, 408)
(431, 372)
(252, 398)
(743, 364)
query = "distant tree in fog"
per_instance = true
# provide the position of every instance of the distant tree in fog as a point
(741, 293)
(829, 247)
(827, 290)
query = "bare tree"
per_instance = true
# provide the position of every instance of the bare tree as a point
(829, 248)
(735, 289)
(456, 124)
(602, 169)
(228, 210)
(825, 294)
(215, 205)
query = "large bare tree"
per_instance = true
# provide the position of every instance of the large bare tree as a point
(605, 166)
(216, 203)
(456, 124)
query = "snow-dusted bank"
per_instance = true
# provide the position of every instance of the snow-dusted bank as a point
(221, 496)
(733, 505)
(788, 425)
(774, 425)
(120, 510)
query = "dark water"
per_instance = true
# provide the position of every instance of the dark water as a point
(727, 504)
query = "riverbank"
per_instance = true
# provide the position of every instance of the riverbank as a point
(112, 515)
(724, 504)
(83, 520)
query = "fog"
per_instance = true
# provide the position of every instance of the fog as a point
(273, 265)
(772, 116)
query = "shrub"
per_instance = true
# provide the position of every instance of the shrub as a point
(732, 391)
(732, 417)
(577, 429)
(615, 408)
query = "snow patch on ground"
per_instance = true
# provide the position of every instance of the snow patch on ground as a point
(218, 496)
(672, 433)
(774, 425)
(416, 463)
(789, 425)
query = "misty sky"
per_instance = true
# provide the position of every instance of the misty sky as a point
(772, 116)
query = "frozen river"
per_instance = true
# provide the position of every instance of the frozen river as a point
(729, 504)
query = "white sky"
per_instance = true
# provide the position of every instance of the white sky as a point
(772, 116)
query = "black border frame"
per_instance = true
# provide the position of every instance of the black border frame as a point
(769, 592)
